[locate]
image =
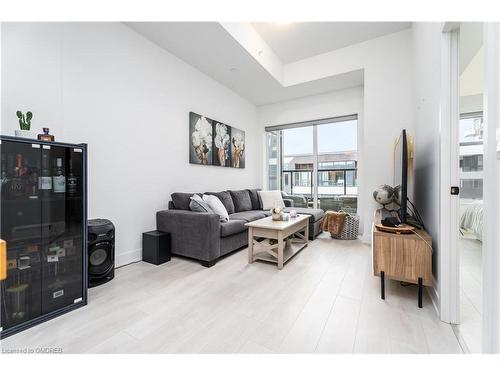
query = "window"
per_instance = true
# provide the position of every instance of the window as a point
(317, 160)
(272, 140)
(471, 155)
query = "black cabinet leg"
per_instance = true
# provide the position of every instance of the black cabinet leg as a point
(420, 291)
(382, 284)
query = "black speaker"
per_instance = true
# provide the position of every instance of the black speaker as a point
(101, 251)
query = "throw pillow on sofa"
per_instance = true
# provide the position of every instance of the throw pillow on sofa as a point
(241, 200)
(226, 200)
(199, 205)
(216, 205)
(181, 200)
(271, 199)
(255, 199)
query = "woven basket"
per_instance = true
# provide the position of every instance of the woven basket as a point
(350, 230)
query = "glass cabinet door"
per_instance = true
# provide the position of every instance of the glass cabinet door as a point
(21, 227)
(62, 232)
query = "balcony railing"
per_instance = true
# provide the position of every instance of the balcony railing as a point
(331, 182)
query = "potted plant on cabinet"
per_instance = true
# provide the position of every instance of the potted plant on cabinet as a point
(25, 125)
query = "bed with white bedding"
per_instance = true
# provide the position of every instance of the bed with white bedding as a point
(471, 220)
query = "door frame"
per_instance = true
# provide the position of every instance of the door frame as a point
(448, 257)
(491, 190)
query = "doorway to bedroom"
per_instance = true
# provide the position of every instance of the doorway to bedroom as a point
(471, 185)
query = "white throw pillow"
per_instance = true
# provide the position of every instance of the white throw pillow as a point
(216, 205)
(271, 199)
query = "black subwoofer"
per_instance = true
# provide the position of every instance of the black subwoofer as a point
(101, 251)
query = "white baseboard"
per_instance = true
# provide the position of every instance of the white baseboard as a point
(128, 257)
(434, 294)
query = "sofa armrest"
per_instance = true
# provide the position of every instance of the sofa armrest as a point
(193, 234)
(298, 200)
(288, 202)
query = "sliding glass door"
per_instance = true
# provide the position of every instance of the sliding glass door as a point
(337, 166)
(298, 163)
(273, 160)
(315, 164)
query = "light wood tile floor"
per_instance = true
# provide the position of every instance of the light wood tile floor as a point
(325, 300)
(471, 294)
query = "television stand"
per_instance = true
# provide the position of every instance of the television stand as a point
(402, 257)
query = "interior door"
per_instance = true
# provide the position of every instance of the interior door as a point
(21, 223)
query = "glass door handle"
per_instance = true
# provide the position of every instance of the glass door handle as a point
(3, 260)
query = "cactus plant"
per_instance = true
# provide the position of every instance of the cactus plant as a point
(24, 121)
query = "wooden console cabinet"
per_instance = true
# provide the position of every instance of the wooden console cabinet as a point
(402, 257)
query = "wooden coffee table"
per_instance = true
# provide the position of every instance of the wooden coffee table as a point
(285, 248)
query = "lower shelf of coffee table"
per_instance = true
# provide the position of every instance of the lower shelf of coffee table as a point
(288, 253)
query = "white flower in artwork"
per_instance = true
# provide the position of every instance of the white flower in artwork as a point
(238, 141)
(221, 140)
(201, 138)
(221, 136)
(202, 134)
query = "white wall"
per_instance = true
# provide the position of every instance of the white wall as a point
(427, 75)
(387, 105)
(103, 84)
(332, 104)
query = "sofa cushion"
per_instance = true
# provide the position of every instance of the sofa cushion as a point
(232, 227)
(241, 200)
(316, 213)
(181, 200)
(247, 215)
(255, 199)
(226, 200)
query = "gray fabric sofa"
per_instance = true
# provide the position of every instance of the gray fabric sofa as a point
(204, 237)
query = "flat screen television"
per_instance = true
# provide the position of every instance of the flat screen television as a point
(401, 174)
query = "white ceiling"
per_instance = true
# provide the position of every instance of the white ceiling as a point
(297, 41)
(211, 49)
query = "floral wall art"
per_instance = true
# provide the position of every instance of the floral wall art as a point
(201, 142)
(238, 148)
(222, 144)
(215, 143)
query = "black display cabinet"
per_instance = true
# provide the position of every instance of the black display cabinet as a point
(44, 224)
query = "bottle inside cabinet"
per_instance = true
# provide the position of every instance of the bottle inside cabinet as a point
(59, 180)
(45, 179)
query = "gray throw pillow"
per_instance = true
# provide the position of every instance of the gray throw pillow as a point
(255, 198)
(181, 201)
(241, 200)
(226, 200)
(199, 205)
